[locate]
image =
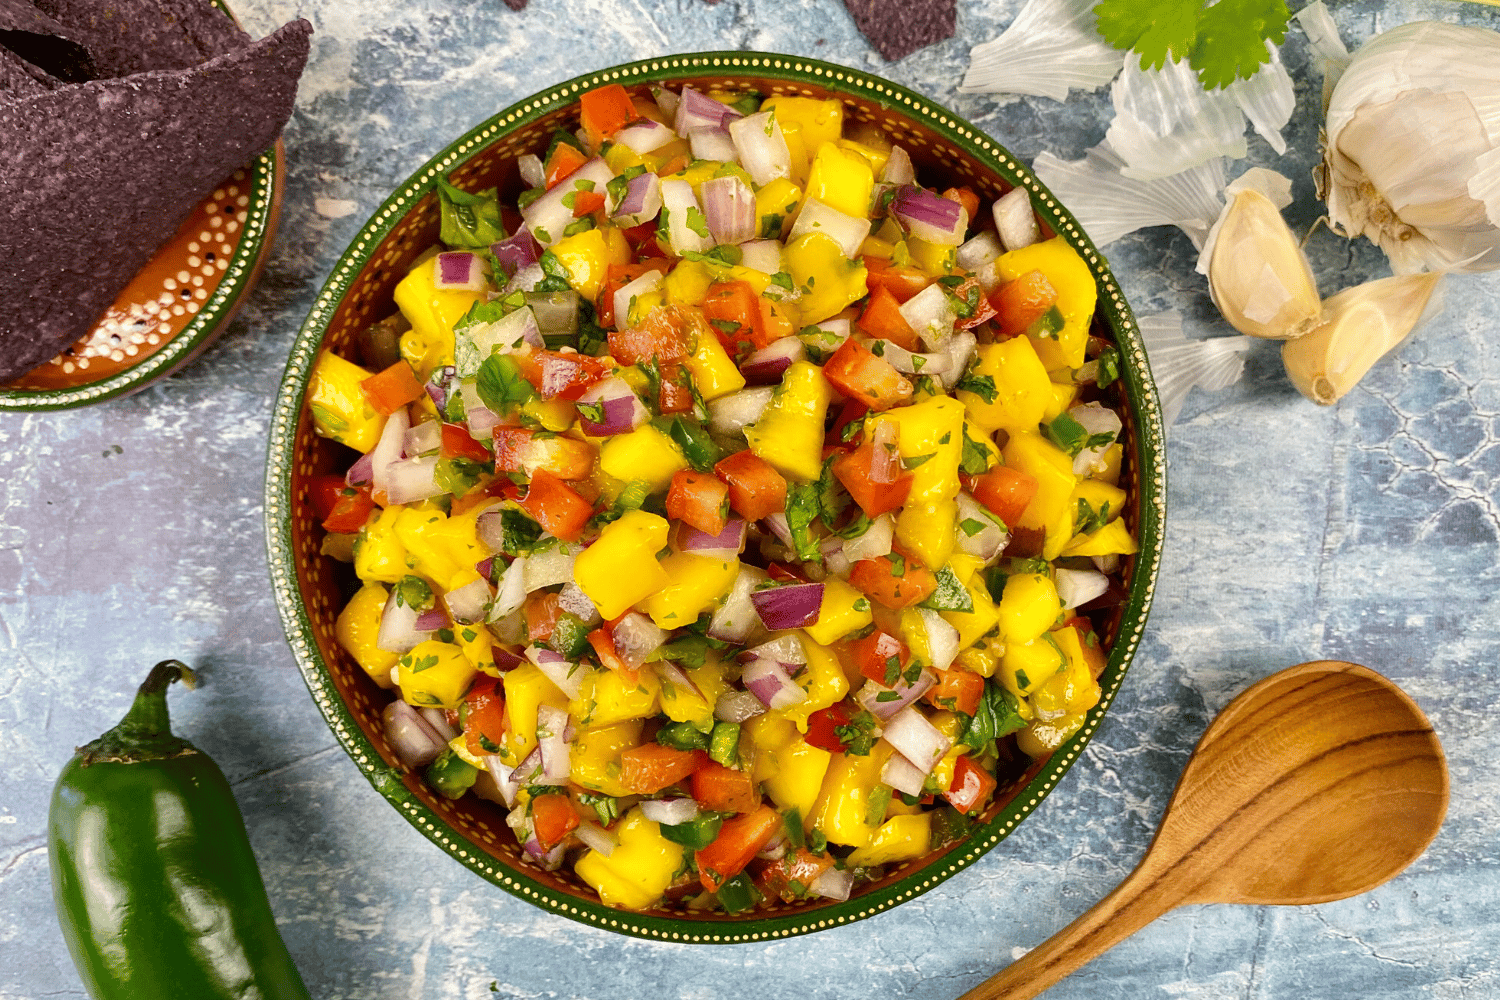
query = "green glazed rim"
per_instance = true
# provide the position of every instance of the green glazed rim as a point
(1149, 467)
(264, 175)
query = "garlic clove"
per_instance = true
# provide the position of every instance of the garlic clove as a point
(1257, 274)
(1363, 324)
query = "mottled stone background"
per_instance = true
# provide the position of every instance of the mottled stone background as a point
(131, 531)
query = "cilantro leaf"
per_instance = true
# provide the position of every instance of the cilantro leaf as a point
(802, 509)
(500, 385)
(950, 594)
(982, 386)
(1232, 36)
(1156, 30)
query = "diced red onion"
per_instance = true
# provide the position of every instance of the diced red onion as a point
(930, 217)
(573, 600)
(636, 638)
(898, 168)
(558, 372)
(670, 812)
(398, 628)
(979, 251)
(1101, 422)
(621, 409)
(414, 741)
(737, 706)
(551, 567)
(833, 884)
(1015, 221)
(786, 650)
(762, 147)
(360, 472)
(645, 284)
(437, 718)
(440, 384)
(767, 365)
(838, 564)
(775, 848)
(530, 767)
(729, 207)
(695, 110)
(567, 675)
(533, 173)
(458, 271)
(916, 739)
(469, 603)
(1107, 564)
(729, 414)
(671, 674)
(711, 142)
(960, 351)
(551, 730)
(874, 542)
(907, 363)
(482, 422)
(869, 695)
(679, 202)
(505, 779)
(413, 479)
(942, 639)
(779, 526)
(885, 453)
(838, 329)
(666, 100)
(431, 621)
(930, 315)
(761, 255)
(902, 775)
(788, 606)
(986, 543)
(489, 526)
(422, 438)
(641, 201)
(595, 837)
(512, 590)
(644, 136)
(387, 451)
(845, 230)
(736, 619)
(726, 545)
(506, 660)
(1076, 587)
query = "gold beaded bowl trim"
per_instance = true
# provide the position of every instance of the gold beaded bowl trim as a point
(310, 588)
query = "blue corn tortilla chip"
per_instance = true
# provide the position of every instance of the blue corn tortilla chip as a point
(133, 36)
(19, 78)
(42, 43)
(897, 28)
(94, 177)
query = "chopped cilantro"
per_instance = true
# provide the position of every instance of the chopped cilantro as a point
(500, 384)
(982, 386)
(469, 220)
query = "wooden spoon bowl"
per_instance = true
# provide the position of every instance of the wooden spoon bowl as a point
(1320, 782)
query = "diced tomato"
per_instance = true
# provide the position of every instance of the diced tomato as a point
(723, 789)
(966, 197)
(674, 391)
(512, 445)
(350, 513)
(556, 506)
(392, 389)
(564, 457)
(604, 111)
(458, 444)
(881, 657)
(782, 573)
(642, 240)
(699, 500)
(971, 785)
(853, 470)
(851, 411)
(675, 165)
(587, 203)
(542, 611)
(651, 767)
(733, 310)
(1022, 302)
(972, 290)
(756, 490)
(822, 726)
(325, 491)
(903, 281)
(896, 581)
(664, 336)
(553, 817)
(604, 648)
(856, 372)
(882, 320)
(564, 376)
(565, 159)
(1005, 491)
(617, 277)
(788, 877)
(485, 718)
(739, 840)
(957, 691)
(774, 323)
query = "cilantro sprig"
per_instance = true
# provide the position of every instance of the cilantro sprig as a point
(1222, 43)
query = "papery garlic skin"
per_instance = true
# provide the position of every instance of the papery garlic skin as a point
(1411, 155)
(1257, 274)
(1363, 324)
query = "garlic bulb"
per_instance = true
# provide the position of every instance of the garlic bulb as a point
(1411, 155)
(1362, 325)
(1257, 274)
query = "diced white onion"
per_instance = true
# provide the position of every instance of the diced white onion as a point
(930, 315)
(736, 619)
(988, 540)
(916, 739)
(388, 450)
(398, 631)
(762, 148)
(902, 775)
(709, 142)
(1015, 222)
(898, 168)
(670, 812)
(737, 706)
(551, 567)
(469, 603)
(1076, 587)
(1097, 419)
(833, 884)
(678, 200)
(729, 414)
(533, 174)
(412, 479)
(644, 136)
(512, 590)
(979, 251)
(761, 255)
(942, 639)
(644, 285)
(874, 543)
(595, 837)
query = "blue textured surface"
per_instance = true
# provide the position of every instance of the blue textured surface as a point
(130, 532)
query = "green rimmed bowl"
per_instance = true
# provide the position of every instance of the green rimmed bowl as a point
(310, 589)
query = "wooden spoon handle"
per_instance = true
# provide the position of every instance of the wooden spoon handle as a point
(1132, 905)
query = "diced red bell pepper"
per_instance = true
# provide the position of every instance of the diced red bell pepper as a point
(723, 789)
(881, 657)
(774, 323)
(822, 728)
(1005, 491)
(971, 785)
(739, 840)
(851, 411)
(542, 610)
(971, 289)
(756, 490)
(458, 444)
(882, 320)
(392, 389)
(485, 720)
(565, 159)
(558, 375)
(651, 767)
(957, 691)
(556, 506)
(896, 581)
(788, 877)
(350, 513)
(855, 371)
(1022, 302)
(902, 281)
(699, 500)
(325, 491)
(587, 203)
(553, 817)
(733, 310)
(853, 470)
(604, 111)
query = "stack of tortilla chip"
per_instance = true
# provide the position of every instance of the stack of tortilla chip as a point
(117, 117)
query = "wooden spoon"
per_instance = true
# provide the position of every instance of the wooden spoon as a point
(1320, 782)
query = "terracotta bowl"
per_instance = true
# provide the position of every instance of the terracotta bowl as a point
(311, 589)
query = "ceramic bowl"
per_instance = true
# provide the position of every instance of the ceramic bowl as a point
(310, 588)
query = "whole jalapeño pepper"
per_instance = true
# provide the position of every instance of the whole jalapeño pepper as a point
(156, 887)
